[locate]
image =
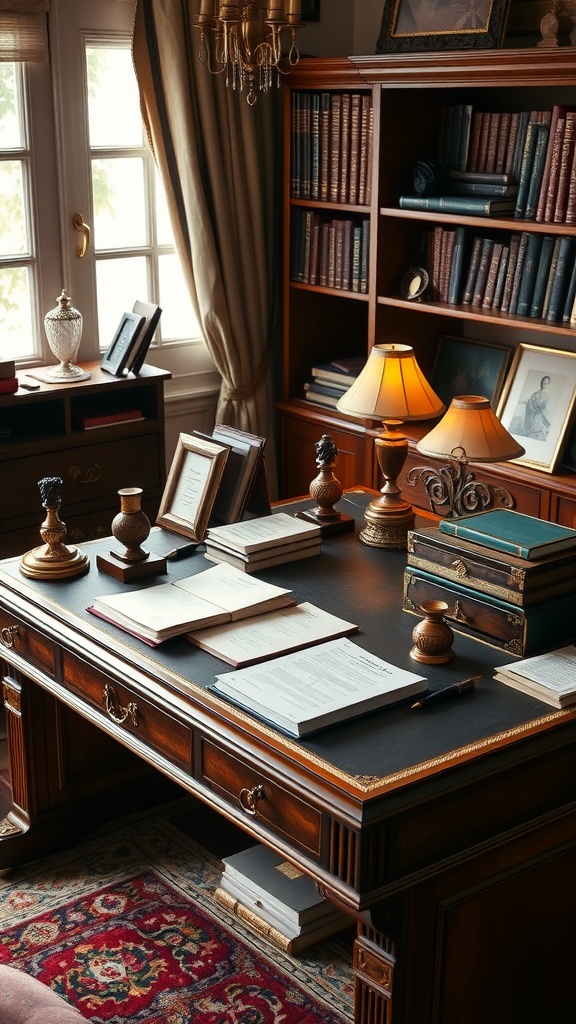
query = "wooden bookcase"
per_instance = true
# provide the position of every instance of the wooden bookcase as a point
(41, 435)
(322, 323)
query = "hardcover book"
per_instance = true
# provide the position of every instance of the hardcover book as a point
(504, 530)
(263, 534)
(517, 580)
(519, 630)
(549, 677)
(477, 206)
(321, 686)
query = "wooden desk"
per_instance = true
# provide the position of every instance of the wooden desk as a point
(448, 834)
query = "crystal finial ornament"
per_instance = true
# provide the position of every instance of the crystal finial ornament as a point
(63, 326)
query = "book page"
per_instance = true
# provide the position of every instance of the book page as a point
(255, 639)
(556, 670)
(308, 688)
(156, 608)
(263, 532)
(231, 589)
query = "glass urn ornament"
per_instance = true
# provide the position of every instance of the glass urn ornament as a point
(63, 326)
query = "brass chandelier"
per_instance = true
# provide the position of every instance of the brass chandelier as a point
(244, 40)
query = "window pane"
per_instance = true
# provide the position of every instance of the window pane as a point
(10, 134)
(13, 223)
(119, 206)
(16, 332)
(178, 318)
(119, 283)
(112, 87)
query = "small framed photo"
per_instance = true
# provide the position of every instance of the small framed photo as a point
(191, 486)
(465, 367)
(116, 358)
(537, 403)
(442, 25)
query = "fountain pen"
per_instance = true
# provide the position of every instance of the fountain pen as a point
(454, 690)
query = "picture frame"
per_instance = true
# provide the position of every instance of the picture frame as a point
(442, 25)
(466, 367)
(537, 403)
(191, 487)
(310, 10)
(115, 359)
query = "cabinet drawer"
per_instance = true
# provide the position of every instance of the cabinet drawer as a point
(139, 717)
(36, 648)
(261, 798)
(88, 472)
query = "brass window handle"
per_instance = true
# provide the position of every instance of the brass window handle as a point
(80, 225)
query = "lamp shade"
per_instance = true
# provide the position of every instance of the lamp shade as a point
(471, 430)
(391, 386)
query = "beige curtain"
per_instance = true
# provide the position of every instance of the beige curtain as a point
(219, 160)
(22, 35)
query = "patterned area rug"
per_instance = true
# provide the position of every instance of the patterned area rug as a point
(126, 929)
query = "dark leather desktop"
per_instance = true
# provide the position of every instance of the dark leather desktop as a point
(448, 833)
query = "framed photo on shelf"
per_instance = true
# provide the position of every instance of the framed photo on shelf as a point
(310, 10)
(465, 367)
(442, 25)
(537, 403)
(115, 359)
(191, 487)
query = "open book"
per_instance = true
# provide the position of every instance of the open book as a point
(265, 636)
(549, 677)
(321, 686)
(219, 594)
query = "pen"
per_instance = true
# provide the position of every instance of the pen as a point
(454, 690)
(185, 549)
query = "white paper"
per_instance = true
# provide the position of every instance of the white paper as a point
(556, 670)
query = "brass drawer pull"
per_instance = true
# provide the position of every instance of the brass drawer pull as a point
(90, 476)
(8, 634)
(249, 798)
(116, 712)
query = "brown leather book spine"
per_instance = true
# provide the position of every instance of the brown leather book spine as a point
(554, 171)
(365, 120)
(335, 114)
(355, 115)
(344, 148)
(324, 146)
(566, 157)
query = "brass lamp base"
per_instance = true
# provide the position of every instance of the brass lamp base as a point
(47, 562)
(387, 526)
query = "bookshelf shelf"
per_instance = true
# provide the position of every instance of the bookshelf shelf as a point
(415, 90)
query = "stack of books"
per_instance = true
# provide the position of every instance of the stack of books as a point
(508, 578)
(276, 899)
(263, 542)
(8, 378)
(329, 381)
(550, 678)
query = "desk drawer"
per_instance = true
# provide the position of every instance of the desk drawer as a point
(139, 717)
(36, 648)
(89, 472)
(261, 798)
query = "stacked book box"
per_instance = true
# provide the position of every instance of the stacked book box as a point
(508, 579)
(276, 899)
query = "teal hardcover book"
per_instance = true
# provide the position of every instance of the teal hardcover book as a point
(504, 530)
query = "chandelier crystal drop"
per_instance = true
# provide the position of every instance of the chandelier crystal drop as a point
(244, 40)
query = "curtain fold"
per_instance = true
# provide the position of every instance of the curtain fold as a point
(22, 35)
(220, 163)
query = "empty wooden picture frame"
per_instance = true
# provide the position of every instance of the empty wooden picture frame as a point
(191, 486)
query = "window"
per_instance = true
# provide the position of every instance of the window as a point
(106, 179)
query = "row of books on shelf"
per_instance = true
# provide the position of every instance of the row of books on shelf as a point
(331, 141)
(329, 381)
(532, 149)
(512, 576)
(331, 252)
(525, 273)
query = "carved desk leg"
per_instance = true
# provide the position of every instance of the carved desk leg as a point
(17, 820)
(373, 976)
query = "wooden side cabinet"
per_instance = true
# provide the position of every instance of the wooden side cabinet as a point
(50, 432)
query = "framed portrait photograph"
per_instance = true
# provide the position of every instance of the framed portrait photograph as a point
(191, 486)
(465, 367)
(537, 403)
(442, 25)
(116, 358)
